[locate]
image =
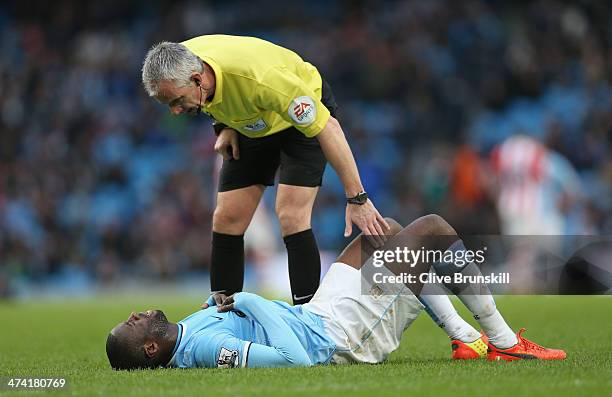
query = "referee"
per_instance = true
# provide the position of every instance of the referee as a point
(271, 109)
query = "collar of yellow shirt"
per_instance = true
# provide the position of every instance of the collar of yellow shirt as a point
(218, 97)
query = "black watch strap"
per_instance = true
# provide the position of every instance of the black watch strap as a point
(218, 127)
(360, 199)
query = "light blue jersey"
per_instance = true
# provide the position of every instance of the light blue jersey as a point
(269, 334)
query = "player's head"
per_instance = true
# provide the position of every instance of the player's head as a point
(139, 342)
(172, 74)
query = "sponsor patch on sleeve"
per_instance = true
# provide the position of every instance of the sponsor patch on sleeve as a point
(227, 358)
(302, 110)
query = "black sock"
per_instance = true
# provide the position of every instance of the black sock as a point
(304, 265)
(227, 263)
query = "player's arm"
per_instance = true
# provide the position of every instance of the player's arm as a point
(224, 350)
(285, 350)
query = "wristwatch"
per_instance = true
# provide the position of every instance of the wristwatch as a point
(360, 199)
(218, 127)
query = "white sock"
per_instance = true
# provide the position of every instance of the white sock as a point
(478, 299)
(442, 312)
(499, 333)
(482, 306)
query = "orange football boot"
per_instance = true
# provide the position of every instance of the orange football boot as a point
(524, 350)
(471, 350)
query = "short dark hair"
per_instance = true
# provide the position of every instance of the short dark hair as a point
(123, 354)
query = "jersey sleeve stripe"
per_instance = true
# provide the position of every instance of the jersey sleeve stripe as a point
(245, 354)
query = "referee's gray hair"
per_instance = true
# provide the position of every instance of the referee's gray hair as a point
(168, 61)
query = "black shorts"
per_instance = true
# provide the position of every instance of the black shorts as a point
(301, 159)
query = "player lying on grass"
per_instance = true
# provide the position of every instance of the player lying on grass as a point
(339, 325)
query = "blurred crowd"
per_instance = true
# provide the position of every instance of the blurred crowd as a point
(487, 112)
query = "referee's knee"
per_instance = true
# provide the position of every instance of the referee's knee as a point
(293, 221)
(229, 222)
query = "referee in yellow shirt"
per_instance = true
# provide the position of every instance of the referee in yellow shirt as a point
(271, 109)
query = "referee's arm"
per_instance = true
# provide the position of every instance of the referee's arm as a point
(280, 91)
(338, 153)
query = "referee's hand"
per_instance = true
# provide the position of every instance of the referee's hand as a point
(227, 144)
(369, 220)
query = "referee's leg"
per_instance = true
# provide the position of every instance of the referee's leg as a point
(301, 173)
(241, 185)
(232, 216)
(294, 211)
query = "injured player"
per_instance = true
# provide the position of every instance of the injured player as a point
(341, 324)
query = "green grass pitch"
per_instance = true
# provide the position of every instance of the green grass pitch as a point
(67, 339)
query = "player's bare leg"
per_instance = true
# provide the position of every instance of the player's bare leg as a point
(503, 343)
(419, 231)
(294, 210)
(437, 304)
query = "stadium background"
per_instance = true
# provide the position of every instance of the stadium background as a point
(101, 188)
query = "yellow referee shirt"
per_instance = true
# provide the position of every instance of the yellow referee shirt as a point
(261, 88)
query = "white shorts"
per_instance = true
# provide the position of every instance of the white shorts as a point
(365, 328)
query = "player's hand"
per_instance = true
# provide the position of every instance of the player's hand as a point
(227, 305)
(368, 219)
(227, 144)
(214, 300)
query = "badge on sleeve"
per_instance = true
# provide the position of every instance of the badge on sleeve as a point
(227, 358)
(256, 126)
(302, 110)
